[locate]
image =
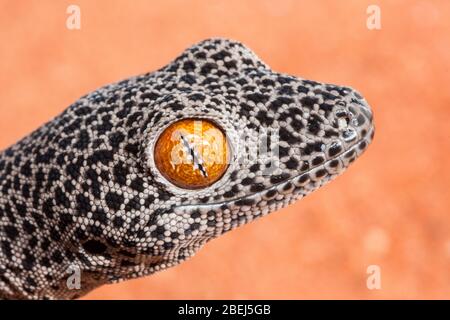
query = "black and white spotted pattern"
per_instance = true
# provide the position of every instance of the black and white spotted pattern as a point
(83, 189)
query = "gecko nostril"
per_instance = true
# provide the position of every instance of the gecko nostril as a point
(342, 119)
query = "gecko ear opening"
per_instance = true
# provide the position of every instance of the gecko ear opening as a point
(192, 153)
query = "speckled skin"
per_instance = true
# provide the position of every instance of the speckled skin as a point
(83, 189)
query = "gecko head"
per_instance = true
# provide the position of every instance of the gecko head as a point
(285, 137)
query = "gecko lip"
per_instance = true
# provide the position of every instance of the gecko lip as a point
(283, 193)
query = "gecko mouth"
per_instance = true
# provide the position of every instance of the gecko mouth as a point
(244, 209)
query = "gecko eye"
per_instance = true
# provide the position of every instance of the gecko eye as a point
(192, 153)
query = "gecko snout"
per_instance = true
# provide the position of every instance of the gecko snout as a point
(357, 115)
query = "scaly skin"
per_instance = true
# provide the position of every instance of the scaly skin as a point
(83, 189)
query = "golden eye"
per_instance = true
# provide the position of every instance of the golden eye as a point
(192, 153)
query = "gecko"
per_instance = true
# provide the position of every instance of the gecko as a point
(84, 190)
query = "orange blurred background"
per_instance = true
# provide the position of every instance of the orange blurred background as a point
(390, 209)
